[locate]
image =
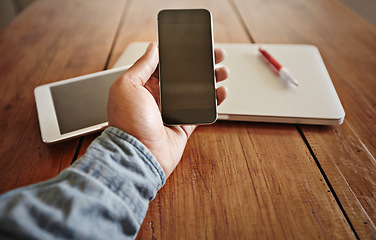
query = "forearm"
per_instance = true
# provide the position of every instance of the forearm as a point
(103, 195)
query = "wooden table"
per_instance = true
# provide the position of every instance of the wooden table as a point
(236, 180)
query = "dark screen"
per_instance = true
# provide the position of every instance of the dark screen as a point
(186, 66)
(83, 103)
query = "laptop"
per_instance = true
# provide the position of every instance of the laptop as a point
(256, 92)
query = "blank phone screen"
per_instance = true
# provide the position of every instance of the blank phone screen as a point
(186, 67)
(83, 103)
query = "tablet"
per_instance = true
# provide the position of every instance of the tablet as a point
(75, 106)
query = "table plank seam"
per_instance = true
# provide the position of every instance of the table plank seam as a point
(241, 20)
(77, 152)
(119, 27)
(326, 180)
(357, 200)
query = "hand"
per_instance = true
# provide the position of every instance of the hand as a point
(133, 108)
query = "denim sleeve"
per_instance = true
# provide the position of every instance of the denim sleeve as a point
(103, 195)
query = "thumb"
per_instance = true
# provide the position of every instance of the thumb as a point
(145, 66)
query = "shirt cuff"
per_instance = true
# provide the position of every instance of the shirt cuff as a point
(125, 166)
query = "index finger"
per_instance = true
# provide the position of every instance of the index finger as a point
(219, 55)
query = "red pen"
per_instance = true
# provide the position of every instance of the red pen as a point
(283, 72)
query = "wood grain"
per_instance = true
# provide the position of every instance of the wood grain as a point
(269, 192)
(139, 23)
(49, 41)
(347, 44)
(350, 168)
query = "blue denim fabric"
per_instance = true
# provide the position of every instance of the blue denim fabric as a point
(103, 195)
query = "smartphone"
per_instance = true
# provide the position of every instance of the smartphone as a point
(186, 67)
(75, 106)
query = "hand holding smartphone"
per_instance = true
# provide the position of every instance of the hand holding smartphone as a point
(186, 67)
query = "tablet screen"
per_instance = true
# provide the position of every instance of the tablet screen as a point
(82, 103)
